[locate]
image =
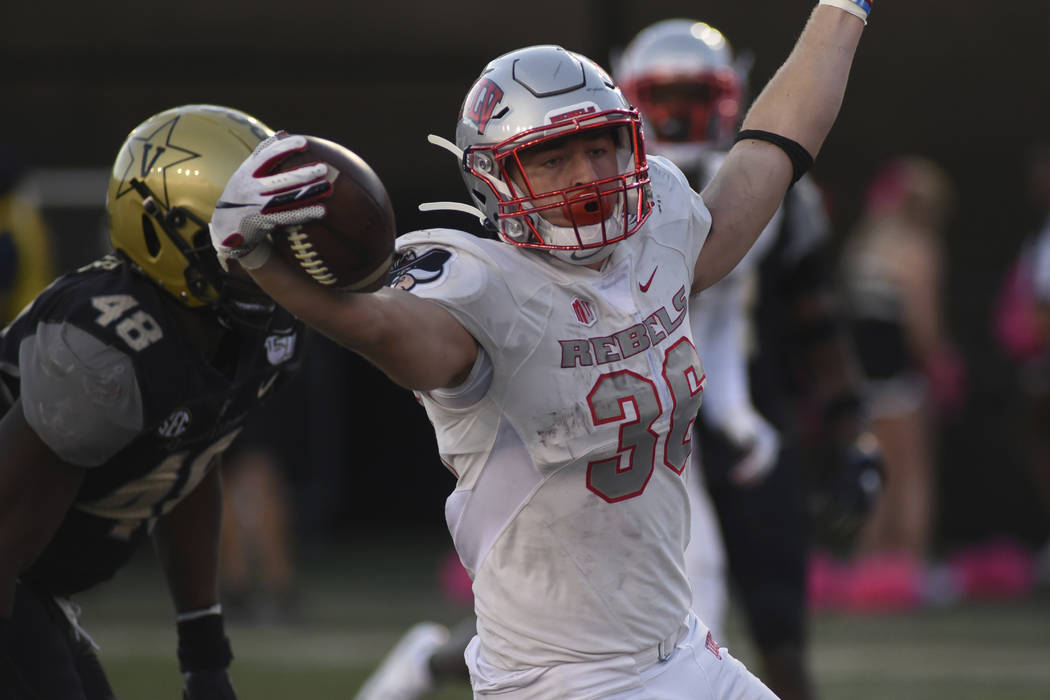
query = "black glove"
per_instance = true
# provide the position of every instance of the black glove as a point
(846, 492)
(207, 685)
(204, 655)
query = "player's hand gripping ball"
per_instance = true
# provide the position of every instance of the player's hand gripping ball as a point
(351, 248)
(318, 204)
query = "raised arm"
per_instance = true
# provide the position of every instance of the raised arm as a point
(413, 341)
(799, 103)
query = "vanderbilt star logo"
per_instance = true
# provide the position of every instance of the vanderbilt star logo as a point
(152, 154)
(645, 287)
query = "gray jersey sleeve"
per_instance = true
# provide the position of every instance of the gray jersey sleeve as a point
(80, 395)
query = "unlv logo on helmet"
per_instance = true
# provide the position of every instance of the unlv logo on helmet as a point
(482, 103)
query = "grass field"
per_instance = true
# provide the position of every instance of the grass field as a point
(358, 598)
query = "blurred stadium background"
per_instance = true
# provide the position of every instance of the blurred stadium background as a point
(960, 82)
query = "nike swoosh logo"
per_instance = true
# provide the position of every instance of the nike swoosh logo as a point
(265, 386)
(645, 287)
(230, 205)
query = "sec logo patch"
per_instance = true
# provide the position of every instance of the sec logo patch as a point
(175, 424)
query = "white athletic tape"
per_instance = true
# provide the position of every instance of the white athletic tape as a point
(859, 8)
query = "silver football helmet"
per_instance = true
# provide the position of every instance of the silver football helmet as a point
(681, 75)
(530, 98)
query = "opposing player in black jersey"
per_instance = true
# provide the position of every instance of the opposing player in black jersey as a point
(120, 387)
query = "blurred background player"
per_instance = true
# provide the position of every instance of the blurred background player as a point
(122, 385)
(1022, 329)
(770, 337)
(682, 77)
(892, 276)
(26, 262)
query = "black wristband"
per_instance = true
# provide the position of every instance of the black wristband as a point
(203, 645)
(801, 160)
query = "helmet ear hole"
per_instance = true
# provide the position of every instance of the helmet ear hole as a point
(149, 233)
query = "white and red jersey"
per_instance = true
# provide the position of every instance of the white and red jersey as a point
(570, 510)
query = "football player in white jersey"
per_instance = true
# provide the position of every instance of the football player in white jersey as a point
(557, 364)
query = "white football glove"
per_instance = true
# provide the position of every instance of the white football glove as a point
(256, 201)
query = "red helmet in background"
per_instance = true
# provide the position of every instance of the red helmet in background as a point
(681, 75)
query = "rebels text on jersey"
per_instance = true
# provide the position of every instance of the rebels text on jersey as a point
(570, 509)
(110, 381)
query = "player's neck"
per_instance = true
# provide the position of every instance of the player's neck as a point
(200, 326)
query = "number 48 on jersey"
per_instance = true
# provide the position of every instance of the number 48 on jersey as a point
(136, 327)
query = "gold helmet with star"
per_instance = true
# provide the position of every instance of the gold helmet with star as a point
(165, 182)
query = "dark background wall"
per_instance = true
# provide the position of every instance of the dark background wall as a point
(961, 82)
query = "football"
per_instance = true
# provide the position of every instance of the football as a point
(351, 248)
